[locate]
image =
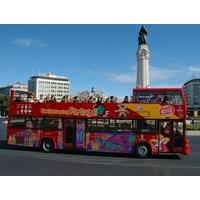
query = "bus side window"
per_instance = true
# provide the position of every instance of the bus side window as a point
(170, 97)
(17, 122)
(178, 128)
(34, 122)
(147, 126)
(52, 123)
(97, 124)
(146, 97)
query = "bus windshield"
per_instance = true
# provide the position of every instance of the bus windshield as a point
(158, 96)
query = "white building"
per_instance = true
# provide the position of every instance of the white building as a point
(43, 85)
(14, 86)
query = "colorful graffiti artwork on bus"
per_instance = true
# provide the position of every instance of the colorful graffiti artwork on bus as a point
(122, 110)
(24, 138)
(111, 142)
(80, 127)
(101, 111)
(161, 144)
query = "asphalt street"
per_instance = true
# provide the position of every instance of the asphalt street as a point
(22, 161)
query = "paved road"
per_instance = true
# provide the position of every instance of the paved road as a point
(20, 161)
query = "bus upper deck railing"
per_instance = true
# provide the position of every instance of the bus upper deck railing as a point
(173, 97)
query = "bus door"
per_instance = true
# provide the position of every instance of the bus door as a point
(178, 137)
(70, 133)
(165, 139)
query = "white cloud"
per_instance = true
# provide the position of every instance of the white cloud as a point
(89, 71)
(159, 74)
(166, 85)
(123, 78)
(194, 69)
(27, 42)
(156, 74)
(40, 44)
(80, 70)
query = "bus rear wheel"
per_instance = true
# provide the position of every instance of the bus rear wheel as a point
(47, 145)
(142, 150)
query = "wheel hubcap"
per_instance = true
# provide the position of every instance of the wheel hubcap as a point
(47, 146)
(142, 150)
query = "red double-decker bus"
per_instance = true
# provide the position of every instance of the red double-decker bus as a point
(153, 123)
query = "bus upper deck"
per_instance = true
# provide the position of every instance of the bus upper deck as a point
(146, 105)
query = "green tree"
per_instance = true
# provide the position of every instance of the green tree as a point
(4, 101)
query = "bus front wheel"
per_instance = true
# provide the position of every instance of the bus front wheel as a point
(47, 145)
(142, 150)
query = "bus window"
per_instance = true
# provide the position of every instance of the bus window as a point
(102, 123)
(178, 134)
(112, 124)
(109, 125)
(120, 125)
(98, 124)
(52, 123)
(146, 126)
(37, 122)
(165, 128)
(124, 124)
(94, 123)
(89, 123)
(178, 128)
(170, 97)
(17, 122)
(146, 97)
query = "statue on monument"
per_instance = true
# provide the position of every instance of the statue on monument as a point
(142, 39)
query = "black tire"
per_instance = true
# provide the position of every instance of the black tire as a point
(142, 150)
(47, 145)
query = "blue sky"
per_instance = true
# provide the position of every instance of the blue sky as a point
(103, 56)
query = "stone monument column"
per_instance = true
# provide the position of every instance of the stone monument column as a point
(142, 60)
